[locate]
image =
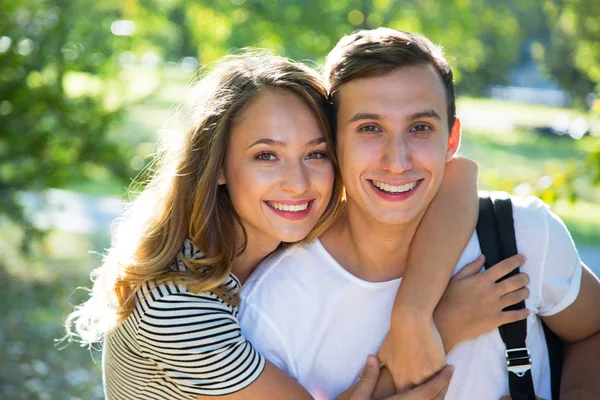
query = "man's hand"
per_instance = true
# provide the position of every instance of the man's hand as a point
(434, 389)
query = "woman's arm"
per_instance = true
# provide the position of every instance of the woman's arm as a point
(413, 349)
(275, 384)
(272, 383)
(472, 305)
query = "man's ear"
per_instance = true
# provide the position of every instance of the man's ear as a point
(454, 139)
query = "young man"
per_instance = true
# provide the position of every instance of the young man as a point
(324, 306)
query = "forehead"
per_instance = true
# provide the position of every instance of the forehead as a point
(276, 113)
(401, 91)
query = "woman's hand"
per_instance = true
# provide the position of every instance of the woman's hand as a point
(434, 389)
(473, 302)
(413, 350)
(471, 305)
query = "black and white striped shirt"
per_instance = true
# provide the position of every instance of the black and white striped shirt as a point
(178, 345)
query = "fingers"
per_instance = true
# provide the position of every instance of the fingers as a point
(514, 297)
(470, 269)
(512, 284)
(507, 317)
(504, 267)
(510, 398)
(431, 389)
(368, 380)
(441, 395)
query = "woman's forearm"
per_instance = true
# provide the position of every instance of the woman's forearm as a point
(443, 233)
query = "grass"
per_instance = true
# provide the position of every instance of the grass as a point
(510, 153)
(37, 293)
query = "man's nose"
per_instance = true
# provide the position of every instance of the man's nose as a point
(397, 155)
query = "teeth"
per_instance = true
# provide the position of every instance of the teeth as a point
(288, 207)
(395, 189)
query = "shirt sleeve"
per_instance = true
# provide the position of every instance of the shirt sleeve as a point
(267, 339)
(561, 268)
(196, 340)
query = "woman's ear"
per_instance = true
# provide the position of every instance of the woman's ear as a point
(454, 139)
(221, 177)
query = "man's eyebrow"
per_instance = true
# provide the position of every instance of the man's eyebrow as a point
(361, 116)
(431, 113)
(279, 143)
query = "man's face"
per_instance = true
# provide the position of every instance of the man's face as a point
(393, 142)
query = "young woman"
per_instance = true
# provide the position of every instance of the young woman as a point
(256, 171)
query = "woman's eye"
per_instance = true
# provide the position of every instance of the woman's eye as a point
(316, 155)
(266, 156)
(420, 128)
(369, 128)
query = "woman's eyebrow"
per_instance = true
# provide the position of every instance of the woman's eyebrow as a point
(271, 142)
(315, 142)
(279, 143)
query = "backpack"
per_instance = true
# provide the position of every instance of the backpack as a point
(496, 233)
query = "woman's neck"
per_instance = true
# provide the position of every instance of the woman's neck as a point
(256, 250)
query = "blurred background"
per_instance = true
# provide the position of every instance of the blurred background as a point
(86, 87)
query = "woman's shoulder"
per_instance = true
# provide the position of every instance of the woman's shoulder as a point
(152, 296)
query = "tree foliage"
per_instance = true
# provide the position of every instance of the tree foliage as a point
(51, 135)
(58, 60)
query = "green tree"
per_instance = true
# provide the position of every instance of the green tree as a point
(482, 37)
(575, 22)
(54, 120)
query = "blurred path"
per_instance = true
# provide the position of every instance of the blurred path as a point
(484, 120)
(591, 257)
(72, 212)
(86, 214)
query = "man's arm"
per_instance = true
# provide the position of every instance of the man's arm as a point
(579, 327)
(581, 366)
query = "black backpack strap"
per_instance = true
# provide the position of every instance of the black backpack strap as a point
(555, 347)
(495, 230)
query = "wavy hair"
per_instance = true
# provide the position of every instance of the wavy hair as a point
(183, 200)
(378, 51)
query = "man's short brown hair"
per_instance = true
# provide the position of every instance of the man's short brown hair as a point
(379, 51)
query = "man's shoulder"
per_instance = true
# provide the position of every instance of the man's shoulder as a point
(534, 222)
(529, 206)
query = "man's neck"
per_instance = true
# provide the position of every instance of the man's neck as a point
(371, 251)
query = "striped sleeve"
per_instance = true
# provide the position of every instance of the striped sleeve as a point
(196, 340)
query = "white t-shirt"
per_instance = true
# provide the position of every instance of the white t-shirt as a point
(318, 322)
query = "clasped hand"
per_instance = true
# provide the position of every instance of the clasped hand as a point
(472, 305)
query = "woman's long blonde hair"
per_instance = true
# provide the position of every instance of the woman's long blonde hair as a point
(183, 199)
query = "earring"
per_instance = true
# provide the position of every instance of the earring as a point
(219, 181)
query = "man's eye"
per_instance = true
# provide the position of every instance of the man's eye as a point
(369, 128)
(316, 155)
(265, 156)
(420, 128)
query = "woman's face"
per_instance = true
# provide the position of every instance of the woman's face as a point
(277, 169)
